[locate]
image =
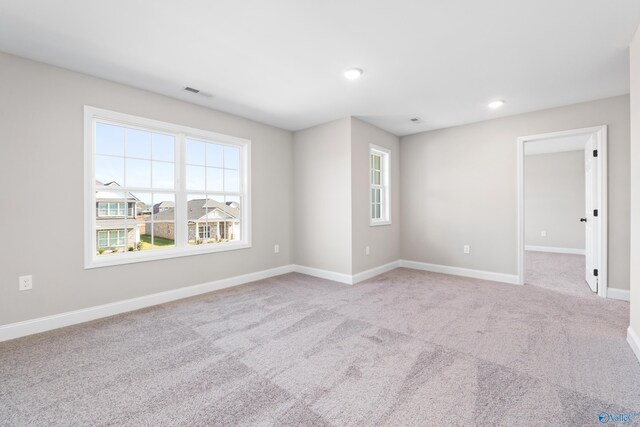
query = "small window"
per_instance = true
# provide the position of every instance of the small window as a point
(158, 190)
(379, 186)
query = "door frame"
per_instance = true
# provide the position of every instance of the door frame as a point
(601, 254)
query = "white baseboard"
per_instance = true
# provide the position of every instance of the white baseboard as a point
(324, 274)
(621, 294)
(634, 341)
(459, 271)
(551, 249)
(368, 274)
(47, 323)
(347, 279)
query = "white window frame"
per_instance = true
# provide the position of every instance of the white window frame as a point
(385, 193)
(181, 134)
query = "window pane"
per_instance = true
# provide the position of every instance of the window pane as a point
(231, 180)
(138, 143)
(195, 152)
(376, 162)
(163, 175)
(163, 147)
(110, 169)
(214, 179)
(138, 173)
(109, 204)
(378, 211)
(195, 178)
(196, 214)
(376, 177)
(231, 158)
(232, 200)
(222, 219)
(159, 235)
(109, 139)
(214, 155)
(373, 211)
(164, 207)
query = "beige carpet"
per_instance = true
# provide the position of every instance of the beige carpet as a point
(405, 348)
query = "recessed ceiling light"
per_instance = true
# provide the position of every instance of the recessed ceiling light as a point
(352, 73)
(496, 104)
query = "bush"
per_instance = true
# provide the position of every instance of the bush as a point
(114, 250)
(130, 248)
(139, 246)
(100, 251)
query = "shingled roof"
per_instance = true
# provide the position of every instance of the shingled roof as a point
(202, 210)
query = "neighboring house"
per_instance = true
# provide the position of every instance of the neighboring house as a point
(208, 221)
(117, 223)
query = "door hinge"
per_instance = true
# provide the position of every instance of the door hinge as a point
(595, 153)
(595, 212)
(595, 272)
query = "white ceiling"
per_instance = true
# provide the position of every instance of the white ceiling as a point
(556, 145)
(281, 61)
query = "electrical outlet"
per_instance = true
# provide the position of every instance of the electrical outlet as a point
(25, 283)
(543, 233)
(466, 249)
(276, 249)
(367, 250)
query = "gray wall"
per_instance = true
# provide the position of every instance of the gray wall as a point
(331, 198)
(635, 184)
(322, 196)
(41, 168)
(554, 192)
(383, 240)
(459, 187)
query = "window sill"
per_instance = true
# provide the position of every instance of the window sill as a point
(108, 260)
(377, 223)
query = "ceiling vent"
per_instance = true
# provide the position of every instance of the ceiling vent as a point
(197, 91)
(416, 120)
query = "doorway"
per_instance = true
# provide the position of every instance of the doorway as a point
(593, 147)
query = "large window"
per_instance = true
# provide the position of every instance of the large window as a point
(379, 206)
(153, 188)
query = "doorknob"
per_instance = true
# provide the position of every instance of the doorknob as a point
(583, 219)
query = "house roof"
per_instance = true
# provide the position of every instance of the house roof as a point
(202, 210)
(112, 195)
(113, 224)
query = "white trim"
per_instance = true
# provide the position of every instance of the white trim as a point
(347, 279)
(181, 133)
(619, 294)
(47, 323)
(459, 271)
(634, 341)
(385, 184)
(324, 274)
(602, 204)
(368, 274)
(551, 249)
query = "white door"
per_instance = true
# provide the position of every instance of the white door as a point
(591, 241)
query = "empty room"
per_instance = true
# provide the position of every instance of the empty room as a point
(297, 213)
